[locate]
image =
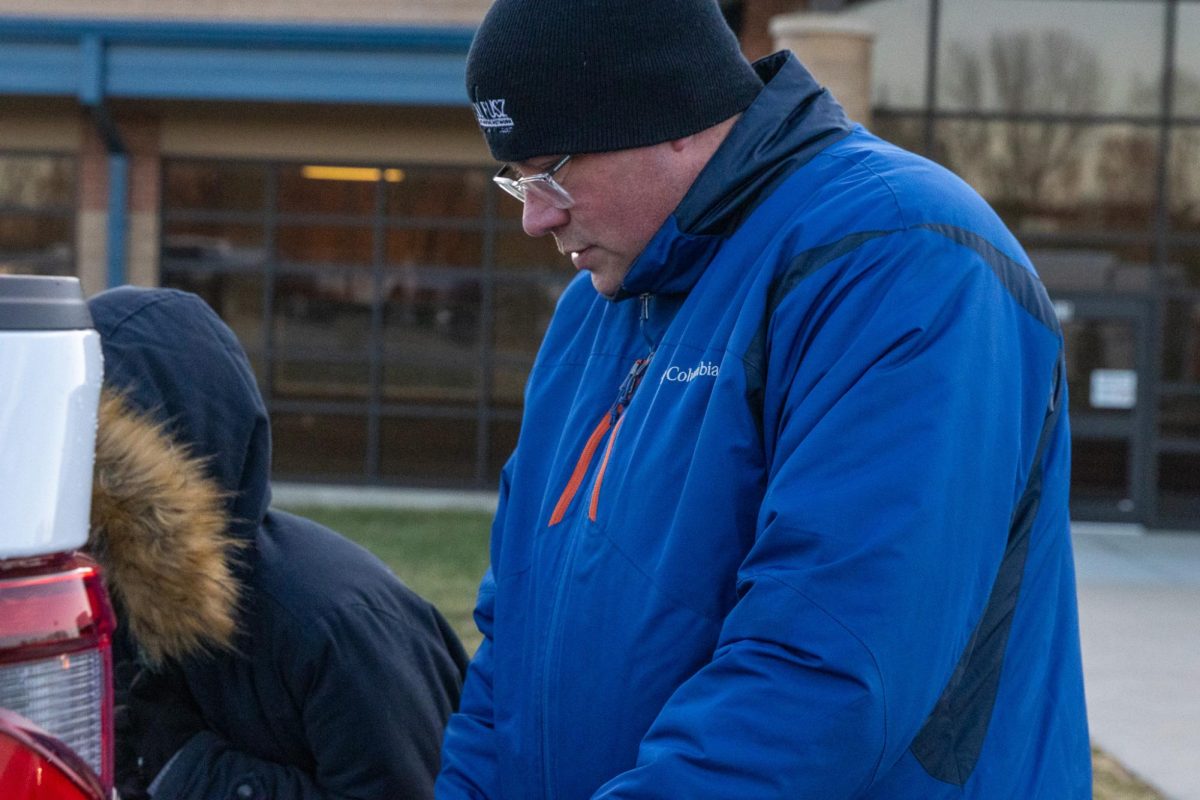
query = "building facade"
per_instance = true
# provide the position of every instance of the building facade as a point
(313, 171)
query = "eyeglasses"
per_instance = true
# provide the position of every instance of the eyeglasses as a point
(542, 186)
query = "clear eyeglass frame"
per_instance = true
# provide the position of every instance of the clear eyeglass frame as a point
(543, 186)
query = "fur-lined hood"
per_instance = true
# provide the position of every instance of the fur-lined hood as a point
(181, 478)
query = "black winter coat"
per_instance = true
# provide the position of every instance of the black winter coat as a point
(318, 674)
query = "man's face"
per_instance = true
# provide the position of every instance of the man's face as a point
(621, 200)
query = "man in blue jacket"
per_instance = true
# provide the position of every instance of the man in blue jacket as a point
(259, 655)
(788, 513)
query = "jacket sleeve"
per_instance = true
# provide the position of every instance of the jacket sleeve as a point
(376, 687)
(896, 454)
(469, 752)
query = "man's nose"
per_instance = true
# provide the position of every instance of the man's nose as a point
(539, 217)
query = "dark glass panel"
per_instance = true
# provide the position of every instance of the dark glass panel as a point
(321, 377)
(214, 186)
(322, 189)
(1057, 178)
(1101, 358)
(523, 311)
(318, 445)
(1180, 417)
(326, 244)
(508, 207)
(428, 192)
(899, 56)
(1179, 489)
(1183, 179)
(237, 297)
(1183, 269)
(431, 337)
(419, 247)
(1120, 269)
(1060, 56)
(1100, 471)
(907, 131)
(1187, 61)
(516, 250)
(1181, 341)
(501, 443)
(35, 182)
(428, 450)
(33, 244)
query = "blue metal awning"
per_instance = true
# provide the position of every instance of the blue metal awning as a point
(233, 62)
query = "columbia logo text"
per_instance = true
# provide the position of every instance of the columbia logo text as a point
(705, 369)
(491, 115)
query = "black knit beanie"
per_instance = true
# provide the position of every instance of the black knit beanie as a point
(558, 77)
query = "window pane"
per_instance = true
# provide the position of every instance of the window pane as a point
(428, 246)
(36, 245)
(428, 450)
(523, 310)
(1180, 417)
(907, 131)
(318, 445)
(326, 244)
(1181, 342)
(321, 189)
(1184, 267)
(500, 447)
(1093, 345)
(1100, 471)
(1120, 269)
(1183, 179)
(321, 377)
(237, 297)
(516, 250)
(1045, 178)
(427, 192)
(1187, 61)
(1179, 488)
(37, 181)
(431, 338)
(214, 186)
(1067, 56)
(899, 58)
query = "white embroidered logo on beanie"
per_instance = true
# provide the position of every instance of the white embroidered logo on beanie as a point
(491, 116)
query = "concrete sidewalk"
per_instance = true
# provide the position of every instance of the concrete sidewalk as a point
(1139, 606)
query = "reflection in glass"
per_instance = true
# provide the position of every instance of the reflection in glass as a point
(428, 450)
(1181, 341)
(503, 441)
(1187, 61)
(1184, 267)
(35, 244)
(1179, 488)
(321, 378)
(37, 182)
(321, 189)
(305, 444)
(325, 244)
(1183, 179)
(418, 247)
(1100, 470)
(214, 186)
(1121, 269)
(437, 193)
(1098, 344)
(1063, 177)
(898, 59)
(1062, 56)
(516, 250)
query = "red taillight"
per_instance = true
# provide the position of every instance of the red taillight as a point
(55, 657)
(34, 766)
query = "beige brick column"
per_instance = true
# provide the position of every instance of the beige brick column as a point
(91, 222)
(143, 139)
(837, 51)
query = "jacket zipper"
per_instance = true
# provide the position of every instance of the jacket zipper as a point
(610, 421)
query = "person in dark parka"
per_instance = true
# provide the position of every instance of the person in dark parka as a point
(259, 654)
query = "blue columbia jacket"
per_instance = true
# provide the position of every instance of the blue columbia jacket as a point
(790, 519)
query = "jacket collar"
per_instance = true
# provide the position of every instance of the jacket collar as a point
(790, 121)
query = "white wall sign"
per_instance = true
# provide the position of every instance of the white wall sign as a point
(1113, 388)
